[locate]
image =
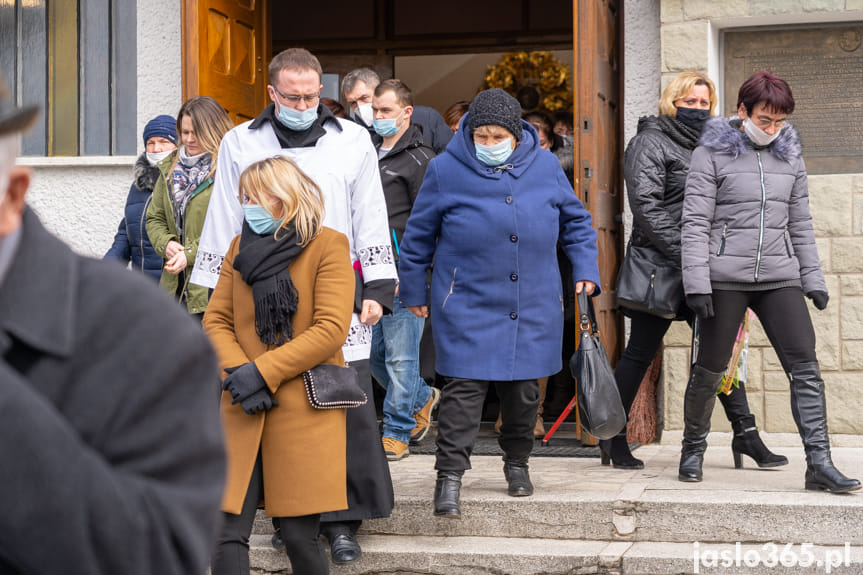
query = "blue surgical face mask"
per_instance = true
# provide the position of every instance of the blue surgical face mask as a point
(297, 120)
(260, 220)
(494, 155)
(386, 127)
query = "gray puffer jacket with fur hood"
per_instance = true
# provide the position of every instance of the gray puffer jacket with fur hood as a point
(746, 214)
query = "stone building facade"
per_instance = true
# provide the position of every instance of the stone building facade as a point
(689, 38)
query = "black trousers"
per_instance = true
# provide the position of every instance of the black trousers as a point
(300, 535)
(783, 314)
(645, 337)
(460, 415)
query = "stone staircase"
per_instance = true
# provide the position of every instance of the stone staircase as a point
(585, 518)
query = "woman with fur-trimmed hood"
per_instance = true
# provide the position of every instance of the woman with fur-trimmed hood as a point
(131, 243)
(747, 241)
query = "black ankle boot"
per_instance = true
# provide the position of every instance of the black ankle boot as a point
(747, 442)
(809, 408)
(517, 478)
(697, 407)
(446, 494)
(616, 452)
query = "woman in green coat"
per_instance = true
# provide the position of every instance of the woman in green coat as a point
(175, 218)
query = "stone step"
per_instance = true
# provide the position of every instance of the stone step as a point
(412, 555)
(578, 499)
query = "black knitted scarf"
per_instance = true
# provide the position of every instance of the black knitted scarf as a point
(263, 264)
(679, 132)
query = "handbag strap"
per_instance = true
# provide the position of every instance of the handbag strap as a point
(587, 314)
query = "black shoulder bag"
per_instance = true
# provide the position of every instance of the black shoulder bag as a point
(599, 405)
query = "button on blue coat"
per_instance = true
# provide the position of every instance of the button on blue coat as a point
(496, 301)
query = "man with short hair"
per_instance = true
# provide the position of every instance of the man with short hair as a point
(358, 88)
(339, 156)
(404, 157)
(113, 458)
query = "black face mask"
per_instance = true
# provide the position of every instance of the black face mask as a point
(693, 117)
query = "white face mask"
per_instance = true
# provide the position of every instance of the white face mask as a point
(758, 136)
(156, 157)
(365, 113)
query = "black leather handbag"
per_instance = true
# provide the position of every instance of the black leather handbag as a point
(331, 386)
(599, 407)
(649, 283)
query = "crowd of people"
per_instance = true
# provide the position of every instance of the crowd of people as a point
(316, 234)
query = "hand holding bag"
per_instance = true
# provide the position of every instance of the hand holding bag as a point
(599, 405)
(331, 386)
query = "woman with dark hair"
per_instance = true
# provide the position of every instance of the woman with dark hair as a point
(175, 218)
(655, 166)
(453, 114)
(748, 242)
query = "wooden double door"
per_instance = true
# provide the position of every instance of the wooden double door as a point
(227, 46)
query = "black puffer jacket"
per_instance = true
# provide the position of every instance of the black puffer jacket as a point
(655, 166)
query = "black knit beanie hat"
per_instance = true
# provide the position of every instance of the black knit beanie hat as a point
(494, 106)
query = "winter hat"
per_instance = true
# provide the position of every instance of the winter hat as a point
(163, 126)
(496, 107)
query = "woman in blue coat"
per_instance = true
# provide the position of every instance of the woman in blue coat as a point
(490, 213)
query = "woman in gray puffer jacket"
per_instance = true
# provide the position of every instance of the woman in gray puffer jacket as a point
(748, 241)
(656, 164)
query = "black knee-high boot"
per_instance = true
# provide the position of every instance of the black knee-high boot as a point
(697, 409)
(809, 408)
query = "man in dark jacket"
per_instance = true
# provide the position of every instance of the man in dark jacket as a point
(112, 462)
(131, 242)
(394, 360)
(358, 88)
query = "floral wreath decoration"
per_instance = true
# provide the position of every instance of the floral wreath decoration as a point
(535, 79)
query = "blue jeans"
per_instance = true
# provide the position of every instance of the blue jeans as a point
(395, 364)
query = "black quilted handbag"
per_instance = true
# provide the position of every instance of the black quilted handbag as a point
(331, 386)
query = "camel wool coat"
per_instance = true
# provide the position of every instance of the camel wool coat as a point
(302, 448)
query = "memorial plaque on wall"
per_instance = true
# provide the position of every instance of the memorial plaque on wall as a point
(824, 67)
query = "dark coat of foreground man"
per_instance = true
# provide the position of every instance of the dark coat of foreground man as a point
(112, 453)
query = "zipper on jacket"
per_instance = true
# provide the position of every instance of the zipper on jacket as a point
(761, 217)
(787, 247)
(141, 227)
(650, 291)
(721, 249)
(451, 287)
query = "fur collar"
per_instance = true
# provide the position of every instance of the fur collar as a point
(725, 137)
(146, 175)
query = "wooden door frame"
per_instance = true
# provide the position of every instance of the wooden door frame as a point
(191, 45)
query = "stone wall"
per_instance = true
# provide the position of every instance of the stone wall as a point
(690, 32)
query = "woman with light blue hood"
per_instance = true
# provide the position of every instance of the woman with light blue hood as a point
(490, 213)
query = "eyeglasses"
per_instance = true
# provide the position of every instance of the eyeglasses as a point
(294, 99)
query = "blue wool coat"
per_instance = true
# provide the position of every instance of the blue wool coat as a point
(496, 297)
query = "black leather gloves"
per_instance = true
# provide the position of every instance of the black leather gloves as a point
(701, 304)
(248, 388)
(819, 298)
